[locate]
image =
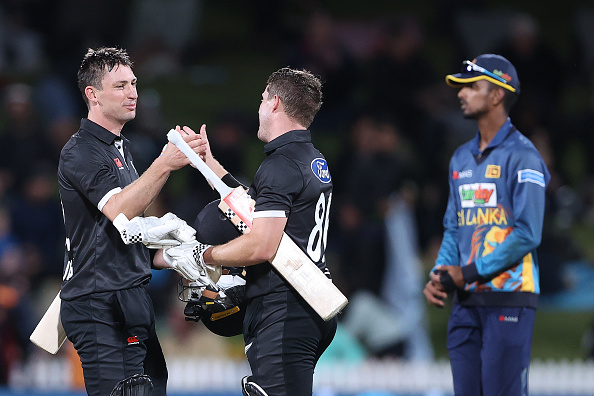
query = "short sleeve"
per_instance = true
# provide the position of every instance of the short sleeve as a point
(278, 182)
(88, 171)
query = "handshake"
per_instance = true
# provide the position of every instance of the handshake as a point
(181, 251)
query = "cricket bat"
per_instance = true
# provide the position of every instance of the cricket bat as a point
(49, 334)
(290, 261)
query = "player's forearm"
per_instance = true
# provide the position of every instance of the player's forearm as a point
(448, 252)
(505, 255)
(135, 198)
(240, 252)
(215, 166)
(256, 247)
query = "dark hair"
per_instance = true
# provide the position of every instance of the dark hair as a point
(96, 63)
(509, 99)
(299, 91)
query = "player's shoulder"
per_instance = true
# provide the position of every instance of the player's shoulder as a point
(279, 160)
(81, 147)
(519, 142)
(521, 147)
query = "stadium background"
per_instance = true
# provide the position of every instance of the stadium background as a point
(388, 128)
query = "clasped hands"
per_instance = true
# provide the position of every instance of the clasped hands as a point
(443, 280)
(181, 251)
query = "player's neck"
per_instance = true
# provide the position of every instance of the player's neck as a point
(111, 125)
(284, 125)
(488, 128)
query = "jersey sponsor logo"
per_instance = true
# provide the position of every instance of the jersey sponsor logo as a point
(503, 75)
(118, 163)
(319, 167)
(133, 340)
(512, 319)
(462, 175)
(478, 195)
(531, 176)
(481, 216)
(493, 172)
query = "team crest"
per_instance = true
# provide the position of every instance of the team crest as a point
(493, 172)
(319, 167)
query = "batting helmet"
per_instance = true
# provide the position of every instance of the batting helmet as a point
(214, 228)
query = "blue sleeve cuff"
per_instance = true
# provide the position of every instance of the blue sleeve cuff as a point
(470, 273)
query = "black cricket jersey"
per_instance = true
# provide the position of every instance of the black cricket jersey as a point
(293, 181)
(91, 170)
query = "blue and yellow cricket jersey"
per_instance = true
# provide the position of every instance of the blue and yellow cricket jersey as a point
(494, 218)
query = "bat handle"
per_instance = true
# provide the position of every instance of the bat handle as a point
(174, 137)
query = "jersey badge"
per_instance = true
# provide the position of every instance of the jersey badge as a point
(118, 163)
(531, 176)
(493, 172)
(319, 167)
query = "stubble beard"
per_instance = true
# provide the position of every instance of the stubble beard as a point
(474, 115)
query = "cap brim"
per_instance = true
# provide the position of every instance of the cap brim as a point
(459, 79)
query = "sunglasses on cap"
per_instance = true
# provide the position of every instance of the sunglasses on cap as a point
(468, 66)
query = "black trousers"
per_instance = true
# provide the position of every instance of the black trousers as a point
(114, 335)
(284, 338)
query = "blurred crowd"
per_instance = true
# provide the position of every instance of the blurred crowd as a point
(388, 127)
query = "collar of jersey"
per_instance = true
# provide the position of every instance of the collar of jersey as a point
(501, 135)
(298, 136)
(99, 132)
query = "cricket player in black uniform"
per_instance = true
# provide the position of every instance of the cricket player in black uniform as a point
(284, 337)
(106, 311)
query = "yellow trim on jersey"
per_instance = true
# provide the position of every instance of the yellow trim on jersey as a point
(527, 275)
(457, 82)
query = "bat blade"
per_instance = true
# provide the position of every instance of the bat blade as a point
(238, 206)
(309, 281)
(49, 334)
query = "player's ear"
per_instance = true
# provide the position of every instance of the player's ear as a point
(276, 103)
(90, 93)
(497, 95)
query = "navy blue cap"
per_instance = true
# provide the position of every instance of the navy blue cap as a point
(490, 67)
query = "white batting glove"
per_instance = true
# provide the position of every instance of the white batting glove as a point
(183, 233)
(188, 261)
(154, 232)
